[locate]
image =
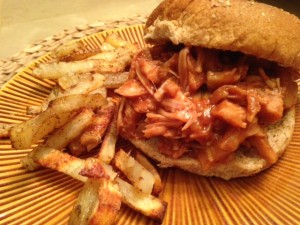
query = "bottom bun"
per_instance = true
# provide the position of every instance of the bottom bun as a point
(245, 163)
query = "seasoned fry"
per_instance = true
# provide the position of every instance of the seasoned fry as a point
(107, 150)
(91, 167)
(76, 148)
(157, 188)
(70, 165)
(100, 90)
(69, 80)
(99, 63)
(141, 178)
(73, 51)
(115, 80)
(72, 129)
(79, 114)
(95, 82)
(144, 203)
(92, 135)
(97, 204)
(24, 134)
(63, 136)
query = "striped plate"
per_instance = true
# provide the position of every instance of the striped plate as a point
(46, 197)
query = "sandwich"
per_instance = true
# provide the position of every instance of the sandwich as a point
(214, 93)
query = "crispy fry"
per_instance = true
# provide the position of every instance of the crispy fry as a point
(67, 114)
(144, 203)
(100, 90)
(140, 177)
(73, 51)
(92, 135)
(115, 80)
(100, 63)
(70, 165)
(157, 188)
(107, 150)
(97, 204)
(94, 168)
(96, 81)
(76, 148)
(25, 134)
(72, 129)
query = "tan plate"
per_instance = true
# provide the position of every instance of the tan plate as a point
(46, 197)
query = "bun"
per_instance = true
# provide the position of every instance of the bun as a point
(244, 164)
(238, 25)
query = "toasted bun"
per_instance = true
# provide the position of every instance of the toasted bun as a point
(244, 164)
(238, 25)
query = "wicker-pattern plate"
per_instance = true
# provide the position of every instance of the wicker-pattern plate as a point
(46, 197)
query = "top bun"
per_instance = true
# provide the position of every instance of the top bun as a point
(250, 27)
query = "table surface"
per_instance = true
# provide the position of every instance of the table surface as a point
(23, 22)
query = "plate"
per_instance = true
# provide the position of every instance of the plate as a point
(46, 197)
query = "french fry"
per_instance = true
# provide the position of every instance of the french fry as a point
(76, 148)
(141, 202)
(115, 80)
(95, 82)
(157, 188)
(24, 134)
(97, 64)
(79, 169)
(73, 51)
(107, 150)
(69, 80)
(97, 204)
(62, 136)
(140, 177)
(72, 129)
(100, 90)
(92, 135)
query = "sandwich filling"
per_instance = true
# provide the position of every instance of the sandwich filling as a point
(204, 103)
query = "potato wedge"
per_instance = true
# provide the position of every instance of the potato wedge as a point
(97, 204)
(24, 134)
(140, 177)
(72, 129)
(157, 188)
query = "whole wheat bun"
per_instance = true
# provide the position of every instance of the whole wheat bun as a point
(238, 25)
(245, 163)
